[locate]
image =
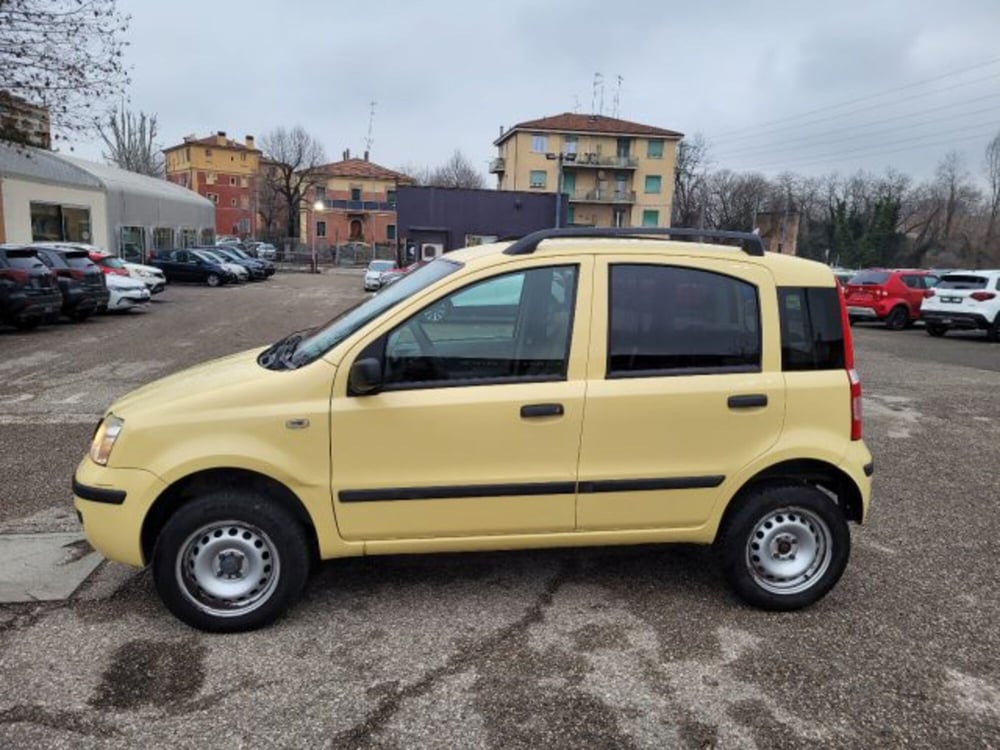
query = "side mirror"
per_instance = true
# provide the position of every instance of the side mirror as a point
(365, 378)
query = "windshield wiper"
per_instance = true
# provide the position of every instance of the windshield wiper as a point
(278, 355)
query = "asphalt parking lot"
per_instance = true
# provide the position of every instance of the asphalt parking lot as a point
(572, 648)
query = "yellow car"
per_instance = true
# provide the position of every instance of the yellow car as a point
(577, 387)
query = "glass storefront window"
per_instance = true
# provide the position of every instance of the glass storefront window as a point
(163, 238)
(189, 237)
(207, 236)
(52, 222)
(132, 244)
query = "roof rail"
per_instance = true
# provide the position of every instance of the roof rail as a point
(750, 243)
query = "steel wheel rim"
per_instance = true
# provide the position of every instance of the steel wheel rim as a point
(789, 550)
(228, 568)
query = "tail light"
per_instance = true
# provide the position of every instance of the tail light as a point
(77, 274)
(852, 374)
(929, 293)
(14, 274)
(982, 296)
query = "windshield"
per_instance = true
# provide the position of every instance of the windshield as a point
(112, 262)
(381, 265)
(962, 281)
(210, 257)
(225, 254)
(870, 277)
(239, 253)
(338, 329)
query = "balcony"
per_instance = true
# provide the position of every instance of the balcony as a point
(361, 205)
(603, 196)
(596, 161)
(498, 165)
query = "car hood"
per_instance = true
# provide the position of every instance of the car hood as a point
(142, 267)
(232, 382)
(123, 283)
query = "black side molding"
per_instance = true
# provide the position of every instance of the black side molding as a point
(98, 494)
(639, 485)
(451, 492)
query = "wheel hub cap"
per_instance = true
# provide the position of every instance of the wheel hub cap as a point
(789, 550)
(227, 568)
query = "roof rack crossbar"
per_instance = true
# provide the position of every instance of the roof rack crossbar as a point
(750, 243)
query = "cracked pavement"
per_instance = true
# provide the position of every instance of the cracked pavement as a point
(597, 648)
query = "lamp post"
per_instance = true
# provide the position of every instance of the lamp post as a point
(559, 158)
(317, 207)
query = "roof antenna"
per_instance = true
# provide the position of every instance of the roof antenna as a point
(576, 104)
(618, 97)
(371, 124)
(598, 85)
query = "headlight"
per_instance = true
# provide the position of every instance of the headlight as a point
(104, 439)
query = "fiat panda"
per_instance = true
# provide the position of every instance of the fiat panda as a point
(576, 387)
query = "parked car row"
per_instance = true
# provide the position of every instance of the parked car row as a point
(381, 273)
(40, 282)
(214, 265)
(262, 250)
(942, 300)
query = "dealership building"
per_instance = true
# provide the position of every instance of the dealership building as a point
(46, 196)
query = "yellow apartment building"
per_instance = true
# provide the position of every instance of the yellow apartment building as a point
(614, 173)
(224, 171)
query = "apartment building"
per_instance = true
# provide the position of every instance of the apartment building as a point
(224, 171)
(612, 172)
(352, 200)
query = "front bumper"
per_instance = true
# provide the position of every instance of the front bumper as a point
(965, 320)
(113, 504)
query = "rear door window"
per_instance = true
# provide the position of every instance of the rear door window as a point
(668, 320)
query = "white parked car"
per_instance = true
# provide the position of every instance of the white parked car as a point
(151, 276)
(265, 250)
(373, 274)
(242, 274)
(126, 292)
(967, 300)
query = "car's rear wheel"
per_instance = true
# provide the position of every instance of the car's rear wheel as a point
(935, 329)
(897, 318)
(230, 561)
(213, 279)
(993, 332)
(785, 546)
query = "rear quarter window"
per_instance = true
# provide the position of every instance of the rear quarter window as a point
(812, 329)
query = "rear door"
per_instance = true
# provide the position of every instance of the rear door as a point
(684, 389)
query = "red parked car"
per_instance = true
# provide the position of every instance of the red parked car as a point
(109, 264)
(890, 296)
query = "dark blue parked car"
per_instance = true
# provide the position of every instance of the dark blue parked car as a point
(184, 265)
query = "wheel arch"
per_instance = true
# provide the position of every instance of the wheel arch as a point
(815, 472)
(189, 487)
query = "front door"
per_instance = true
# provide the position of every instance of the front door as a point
(476, 430)
(683, 391)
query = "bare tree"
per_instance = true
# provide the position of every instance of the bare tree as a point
(418, 174)
(66, 55)
(457, 172)
(292, 158)
(993, 206)
(131, 142)
(690, 182)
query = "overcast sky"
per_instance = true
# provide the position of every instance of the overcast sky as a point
(447, 74)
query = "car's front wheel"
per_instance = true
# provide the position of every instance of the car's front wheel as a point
(935, 329)
(230, 561)
(785, 546)
(213, 279)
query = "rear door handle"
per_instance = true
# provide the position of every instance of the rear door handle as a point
(533, 411)
(748, 401)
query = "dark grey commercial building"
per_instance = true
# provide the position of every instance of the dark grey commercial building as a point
(433, 220)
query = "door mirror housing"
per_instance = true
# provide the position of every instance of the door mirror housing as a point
(365, 378)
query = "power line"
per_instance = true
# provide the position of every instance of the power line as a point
(769, 148)
(828, 118)
(808, 161)
(828, 107)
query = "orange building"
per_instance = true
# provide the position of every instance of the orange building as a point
(224, 171)
(358, 200)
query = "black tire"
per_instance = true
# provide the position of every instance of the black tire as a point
(265, 549)
(935, 329)
(897, 318)
(80, 315)
(27, 324)
(803, 521)
(213, 279)
(993, 332)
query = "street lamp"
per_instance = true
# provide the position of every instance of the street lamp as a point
(317, 207)
(560, 158)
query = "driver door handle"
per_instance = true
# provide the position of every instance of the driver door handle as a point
(533, 411)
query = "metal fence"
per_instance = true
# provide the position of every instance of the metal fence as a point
(294, 253)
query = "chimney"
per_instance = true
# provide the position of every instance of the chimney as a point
(366, 154)
(249, 141)
(501, 131)
(189, 138)
(347, 154)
